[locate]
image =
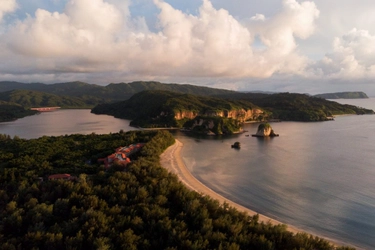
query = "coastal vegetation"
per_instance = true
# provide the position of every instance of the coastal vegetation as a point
(298, 107)
(343, 95)
(30, 98)
(141, 206)
(12, 111)
(170, 109)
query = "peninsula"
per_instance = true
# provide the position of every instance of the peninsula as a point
(343, 95)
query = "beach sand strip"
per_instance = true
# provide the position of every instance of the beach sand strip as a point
(171, 160)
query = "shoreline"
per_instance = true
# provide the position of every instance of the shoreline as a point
(171, 160)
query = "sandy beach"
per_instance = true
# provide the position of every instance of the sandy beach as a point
(171, 160)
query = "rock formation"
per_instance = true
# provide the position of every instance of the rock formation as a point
(265, 130)
(241, 115)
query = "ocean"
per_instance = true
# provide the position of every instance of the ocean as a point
(317, 176)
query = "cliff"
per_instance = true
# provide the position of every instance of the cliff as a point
(213, 125)
(241, 115)
(171, 109)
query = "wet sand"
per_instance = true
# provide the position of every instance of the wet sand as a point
(171, 160)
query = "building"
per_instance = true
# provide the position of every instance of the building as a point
(121, 156)
(61, 177)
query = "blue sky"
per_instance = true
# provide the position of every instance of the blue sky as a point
(273, 45)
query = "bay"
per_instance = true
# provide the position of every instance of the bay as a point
(62, 122)
(318, 176)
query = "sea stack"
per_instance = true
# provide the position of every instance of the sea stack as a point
(265, 130)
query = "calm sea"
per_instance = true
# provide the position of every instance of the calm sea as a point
(319, 177)
(62, 122)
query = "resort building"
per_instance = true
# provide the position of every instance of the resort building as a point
(121, 156)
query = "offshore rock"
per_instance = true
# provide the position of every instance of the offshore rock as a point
(265, 130)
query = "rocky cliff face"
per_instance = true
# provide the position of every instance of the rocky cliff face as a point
(241, 115)
(265, 130)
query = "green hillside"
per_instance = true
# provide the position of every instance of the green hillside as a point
(142, 108)
(95, 94)
(29, 98)
(298, 107)
(343, 95)
(159, 108)
(12, 111)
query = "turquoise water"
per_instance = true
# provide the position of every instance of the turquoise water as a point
(318, 177)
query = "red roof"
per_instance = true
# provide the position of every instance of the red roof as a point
(59, 176)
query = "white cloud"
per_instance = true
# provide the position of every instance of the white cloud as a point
(7, 6)
(353, 56)
(101, 36)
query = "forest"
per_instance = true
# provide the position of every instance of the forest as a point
(13, 111)
(139, 206)
(157, 108)
(298, 107)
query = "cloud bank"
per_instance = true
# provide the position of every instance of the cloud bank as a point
(101, 41)
(97, 36)
(7, 6)
(353, 57)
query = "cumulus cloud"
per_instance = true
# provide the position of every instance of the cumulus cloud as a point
(98, 36)
(353, 56)
(7, 6)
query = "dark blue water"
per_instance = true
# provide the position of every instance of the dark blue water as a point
(319, 177)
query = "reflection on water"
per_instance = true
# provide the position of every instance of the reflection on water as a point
(316, 176)
(63, 122)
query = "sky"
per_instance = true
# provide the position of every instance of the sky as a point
(246, 45)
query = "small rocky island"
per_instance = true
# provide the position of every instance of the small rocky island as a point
(236, 145)
(265, 130)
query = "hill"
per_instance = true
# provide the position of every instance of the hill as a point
(284, 106)
(343, 95)
(11, 111)
(298, 107)
(29, 98)
(170, 109)
(95, 94)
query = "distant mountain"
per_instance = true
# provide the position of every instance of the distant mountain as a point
(95, 94)
(343, 95)
(30, 98)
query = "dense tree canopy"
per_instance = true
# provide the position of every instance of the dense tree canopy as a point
(139, 207)
(298, 107)
(11, 111)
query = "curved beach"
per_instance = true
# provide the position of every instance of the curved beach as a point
(171, 160)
